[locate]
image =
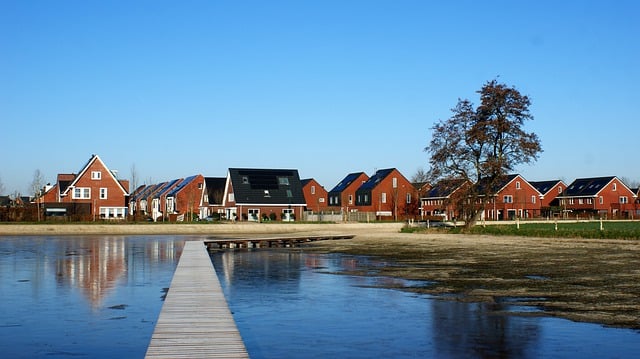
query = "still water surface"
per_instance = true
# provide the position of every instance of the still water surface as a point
(290, 304)
(99, 297)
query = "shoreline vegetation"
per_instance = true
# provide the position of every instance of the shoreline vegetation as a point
(582, 279)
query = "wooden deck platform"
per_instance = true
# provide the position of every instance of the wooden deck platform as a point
(195, 320)
(282, 241)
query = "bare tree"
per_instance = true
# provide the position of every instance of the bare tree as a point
(36, 188)
(134, 178)
(482, 144)
(420, 176)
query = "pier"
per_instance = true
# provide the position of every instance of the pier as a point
(268, 242)
(195, 320)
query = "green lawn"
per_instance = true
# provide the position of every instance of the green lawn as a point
(610, 229)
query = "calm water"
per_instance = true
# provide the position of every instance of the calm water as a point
(99, 297)
(93, 297)
(287, 304)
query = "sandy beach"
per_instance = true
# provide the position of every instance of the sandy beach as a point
(591, 280)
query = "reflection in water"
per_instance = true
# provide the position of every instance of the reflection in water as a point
(95, 296)
(288, 304)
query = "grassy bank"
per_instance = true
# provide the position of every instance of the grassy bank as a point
(550, 229)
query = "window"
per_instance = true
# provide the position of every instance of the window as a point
(383, 197)
(199, 185)
(232, 197)
(289, 193)
(350, 199)
(408, 198)
(96, 175)
(533, 199)
(266, 193)
(313, 189)
(283, 181)
(321, 200)
(559, 189)
(81, 193)
(517, 184)
(245, 180)
(623, 199)
(507, 199)
(601, 199)
(395, 182)
(103, 193)
(580, 201)
(366, 198)
(615, 187)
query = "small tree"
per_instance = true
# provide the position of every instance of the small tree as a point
(482, 144)
(36, 189)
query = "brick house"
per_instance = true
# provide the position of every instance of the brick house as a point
(549, 201)
(636, 207)
(186, 198)
(263, 194)
(598, 197)
(387, 193)
(95, 192)
(513, 197)
(440, 200)
(214, 198)
(344, 193)
(314, 195)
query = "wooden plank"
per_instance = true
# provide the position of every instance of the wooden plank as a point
(195, 320)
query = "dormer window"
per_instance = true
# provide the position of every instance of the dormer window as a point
(283, 181)
(266, 193)
(245, 180)
(96, 175)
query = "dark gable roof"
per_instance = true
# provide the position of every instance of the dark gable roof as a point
(305, 181)
(215, 189)
(181, 185)
(444, 188)
(166, 187)
(375, 179)
(485, 185)
(266, 186)
(544, 186)
(585, 187)
(345, 182)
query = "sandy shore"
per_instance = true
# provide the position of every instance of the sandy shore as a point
(591, 280)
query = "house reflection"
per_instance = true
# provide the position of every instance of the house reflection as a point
(96, 265)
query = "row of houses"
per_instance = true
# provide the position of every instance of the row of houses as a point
(249, 194)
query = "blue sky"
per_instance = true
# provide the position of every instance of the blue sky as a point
(326, 87)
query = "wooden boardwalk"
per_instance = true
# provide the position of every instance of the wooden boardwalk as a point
(282, 241)
(195, 320)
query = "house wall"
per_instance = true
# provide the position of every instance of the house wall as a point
(115, 198)
(348, 195)
(315, 196)
(189, 198)
(552, 194)
(606, 202)
(524, 201)
(390, 202)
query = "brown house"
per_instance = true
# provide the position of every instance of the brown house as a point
(549, 190)
(94, 192)
(440, 201)
(389, 194)
(513, 197)
(598, 197)
(314, 195)
(344, 193)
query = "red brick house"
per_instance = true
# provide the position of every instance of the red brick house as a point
(439, 201)
(387, 193)
(95, 192)
(598, 197)
(186, 198)
(513, 198)
(314, 195)
(344, 193)
(257, 195)
(549, 201)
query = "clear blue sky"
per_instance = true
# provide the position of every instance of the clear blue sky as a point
(326, 87)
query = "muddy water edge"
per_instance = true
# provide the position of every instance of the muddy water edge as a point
(588, 280)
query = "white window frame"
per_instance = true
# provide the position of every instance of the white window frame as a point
(81, 193)
(350, 199)
(517, 184)
(623, 199)
(103, 193)
(96, 175)
(533, 199)
(408, 198)
(507, 198)
(395, 182)
(313, 189)
(383, 197)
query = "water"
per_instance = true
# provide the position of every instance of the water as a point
(94, 297)
(99, 297)
(292, 304)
